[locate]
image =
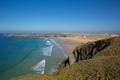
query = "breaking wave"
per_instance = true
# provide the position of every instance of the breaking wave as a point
(47, 51)
(48, 43)
(40, 67)
(45, 39)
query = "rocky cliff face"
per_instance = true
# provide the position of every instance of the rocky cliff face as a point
(88, 50)
(85, 51)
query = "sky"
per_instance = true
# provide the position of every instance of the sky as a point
(60, 16)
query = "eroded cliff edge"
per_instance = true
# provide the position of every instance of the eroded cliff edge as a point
(85, 51)
(88, 50)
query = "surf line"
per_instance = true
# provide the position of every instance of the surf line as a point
(40, 67)
(53, 41)
(47, 51)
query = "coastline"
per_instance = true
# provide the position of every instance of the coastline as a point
(71, 41)
(62, 47)
(67, 47)
(68, 44)
(25, 67)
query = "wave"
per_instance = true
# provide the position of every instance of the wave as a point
(40, 67)
(47, 51)
(53, 41)
(48, 43)
(45, 38)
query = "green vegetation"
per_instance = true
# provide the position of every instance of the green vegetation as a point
(105, 65)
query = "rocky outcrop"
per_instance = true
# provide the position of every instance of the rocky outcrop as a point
(85, 51)
(64, 63)
(88, 50)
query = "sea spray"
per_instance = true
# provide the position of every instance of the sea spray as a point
(40, 67)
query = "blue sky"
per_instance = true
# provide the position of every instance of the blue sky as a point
(59, 15)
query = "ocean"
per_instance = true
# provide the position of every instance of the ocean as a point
(21, 56)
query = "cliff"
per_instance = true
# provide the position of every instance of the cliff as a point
(88, 50)
(97, 60)
(85, 51)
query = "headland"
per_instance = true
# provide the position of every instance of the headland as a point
(84, 51)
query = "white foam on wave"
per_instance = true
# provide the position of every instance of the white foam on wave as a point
(48, 43)
(40, 67)
(53, 41)
(47, 51)
(45, 39)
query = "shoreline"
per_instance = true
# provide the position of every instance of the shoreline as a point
(67, 48)
(69, 43)
(62, 47)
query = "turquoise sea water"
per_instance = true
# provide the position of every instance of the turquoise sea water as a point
(21, 56)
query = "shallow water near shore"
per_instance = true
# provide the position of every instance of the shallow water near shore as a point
(22, 56)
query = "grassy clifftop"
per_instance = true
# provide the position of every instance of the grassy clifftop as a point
(104, 65)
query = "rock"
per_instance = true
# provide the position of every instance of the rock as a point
(88, 50)
(84, 52)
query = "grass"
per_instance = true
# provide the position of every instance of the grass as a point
(105, 65)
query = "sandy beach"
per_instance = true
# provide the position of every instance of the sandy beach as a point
(68, 45)
(73, 40)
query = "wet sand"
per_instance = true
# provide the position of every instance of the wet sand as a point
(69, 45)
